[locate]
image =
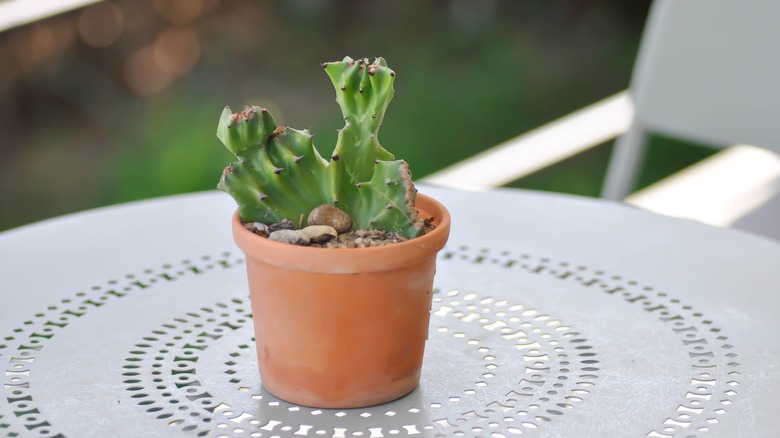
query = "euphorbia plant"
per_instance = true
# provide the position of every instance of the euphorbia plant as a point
(347, 329)
(281, 175)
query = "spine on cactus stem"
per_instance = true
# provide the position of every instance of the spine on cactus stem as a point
(280, 175)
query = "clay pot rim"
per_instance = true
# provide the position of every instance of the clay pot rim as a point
(349, 260)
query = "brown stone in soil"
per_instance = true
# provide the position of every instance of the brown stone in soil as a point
(333, 216)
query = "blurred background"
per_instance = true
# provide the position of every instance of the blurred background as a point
(119, 100)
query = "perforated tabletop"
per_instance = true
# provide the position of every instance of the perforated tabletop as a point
(553, 316)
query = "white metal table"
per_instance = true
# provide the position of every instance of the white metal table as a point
(553, 316)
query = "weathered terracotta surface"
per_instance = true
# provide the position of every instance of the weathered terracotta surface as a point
(342, 328)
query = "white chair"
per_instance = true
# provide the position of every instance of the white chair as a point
(708, 71)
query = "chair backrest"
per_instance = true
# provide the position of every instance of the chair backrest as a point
(708, 71)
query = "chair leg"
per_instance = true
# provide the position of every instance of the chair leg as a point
(624, 164)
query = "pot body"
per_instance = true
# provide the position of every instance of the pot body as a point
(342, 328)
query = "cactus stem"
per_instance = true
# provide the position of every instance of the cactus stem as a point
(278, 170)
(335, 158)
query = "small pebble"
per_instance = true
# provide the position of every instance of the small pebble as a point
(261, 229)
(258, 228)
(320, 233)
(333, 216)
(295, 237)
(284, 224)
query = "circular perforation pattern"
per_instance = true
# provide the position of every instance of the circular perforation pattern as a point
(714, 376)
(534, 390)
(21, 348)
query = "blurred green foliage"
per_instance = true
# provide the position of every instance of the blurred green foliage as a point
(87, 123)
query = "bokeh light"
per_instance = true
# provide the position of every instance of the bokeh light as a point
(101, 25)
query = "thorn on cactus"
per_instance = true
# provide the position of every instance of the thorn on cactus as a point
(278, 170)
(262, 197)
(298, 158)
(324, 64)
(335, 158)
(343, 88)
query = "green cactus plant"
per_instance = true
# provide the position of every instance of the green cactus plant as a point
(281, 175)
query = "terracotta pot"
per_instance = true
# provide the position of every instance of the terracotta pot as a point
(342, 328)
